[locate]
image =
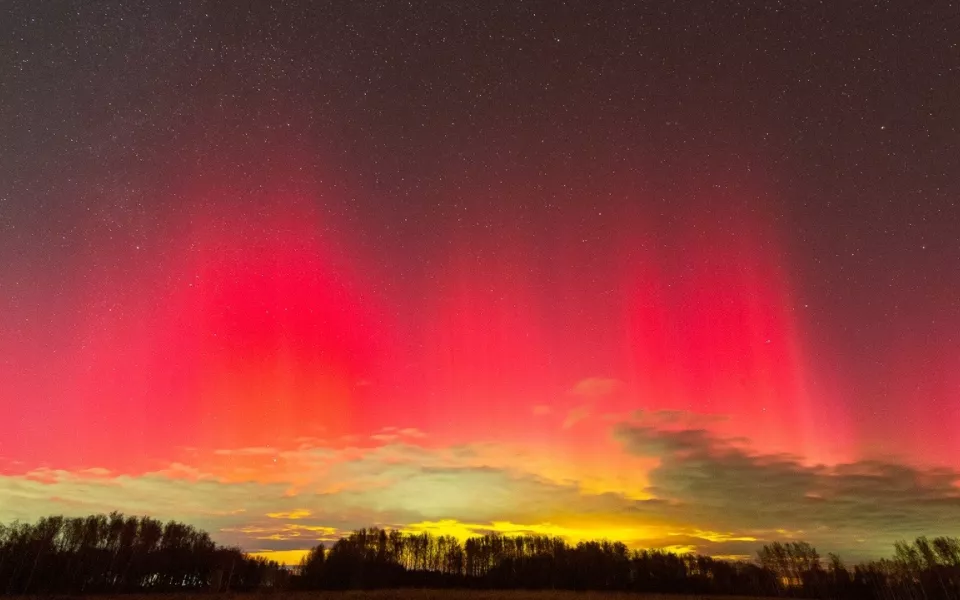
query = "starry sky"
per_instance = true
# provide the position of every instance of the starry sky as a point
(682, 274)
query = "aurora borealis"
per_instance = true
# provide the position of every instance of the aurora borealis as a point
(679, 274)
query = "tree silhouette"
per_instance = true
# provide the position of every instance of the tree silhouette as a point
(113, 553)
(116, 553)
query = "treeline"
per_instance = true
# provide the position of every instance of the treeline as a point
(374, 558)
(117, 554)
(113, 553)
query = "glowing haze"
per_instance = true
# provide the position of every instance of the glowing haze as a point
(257, 326)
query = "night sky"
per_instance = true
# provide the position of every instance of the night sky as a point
(683, 274)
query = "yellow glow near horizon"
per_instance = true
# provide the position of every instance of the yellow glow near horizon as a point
(715, 536)
(628, 534)
(284, 557)
(632, 536)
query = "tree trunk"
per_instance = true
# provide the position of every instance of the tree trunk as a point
(33, 570)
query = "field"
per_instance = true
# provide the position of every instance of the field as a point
(416, 594)
(454, 594)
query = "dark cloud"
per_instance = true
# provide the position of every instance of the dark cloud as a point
(859, 508)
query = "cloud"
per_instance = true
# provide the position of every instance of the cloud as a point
(596, 387)
(181, 471)
(487, 487)
(290, 532)
(392, 434)
(96, 472)
(575, 415)
(712, 481)
(673, 418)
(702, 491)
(292, 514)
(249, 451)
(592, 390)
